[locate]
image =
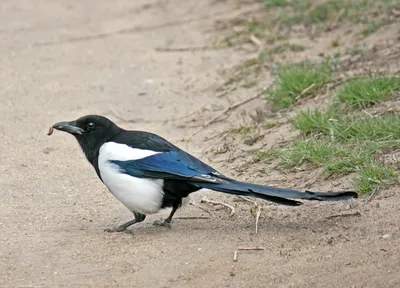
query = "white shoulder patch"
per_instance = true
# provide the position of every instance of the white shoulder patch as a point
(139, 195)
(122, 152)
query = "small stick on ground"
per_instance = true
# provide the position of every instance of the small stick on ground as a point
(259, 208)
(235, 256)
(252, 248)
(255, 40)
(233, 211)
(200, 207)
(344, 215)
(230, 108)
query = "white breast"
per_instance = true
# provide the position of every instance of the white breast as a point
(137, 194)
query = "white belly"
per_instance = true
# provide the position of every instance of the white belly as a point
(137, 194)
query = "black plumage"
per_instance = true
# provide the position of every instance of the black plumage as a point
(180, 173)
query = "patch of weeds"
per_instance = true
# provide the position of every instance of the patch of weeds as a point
(315, 122)
(374, 175)
(343, 141)
(384, 128)
(341, 127)
(287, 47)
(243, 130)
(310, 151)
(266, 155)
(298, 80)
(339, 159)
(366, 91)
(269, 125)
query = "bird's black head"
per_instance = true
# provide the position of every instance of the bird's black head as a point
(91, 131)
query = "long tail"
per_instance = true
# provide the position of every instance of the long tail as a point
(274, 194)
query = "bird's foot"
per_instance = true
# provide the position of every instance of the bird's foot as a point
(162, 223)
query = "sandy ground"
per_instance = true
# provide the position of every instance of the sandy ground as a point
(63, 59)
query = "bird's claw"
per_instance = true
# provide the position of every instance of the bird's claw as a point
(162, 223)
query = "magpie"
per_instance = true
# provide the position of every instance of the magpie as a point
(146, 173)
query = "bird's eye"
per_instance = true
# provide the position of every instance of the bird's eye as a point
(91, 125)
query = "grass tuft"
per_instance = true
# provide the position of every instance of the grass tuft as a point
(367, 91)
(340, 127)
(343, 141)
(373, 176)
(298, 80)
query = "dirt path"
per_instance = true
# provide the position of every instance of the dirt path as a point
(61, 60)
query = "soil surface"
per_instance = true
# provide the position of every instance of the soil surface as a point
(64, 59)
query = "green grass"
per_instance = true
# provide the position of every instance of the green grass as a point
(296, 81)
(345, 128)
(306, 12)
(343, 141)
(337, 159)
(375, 175)
(276, 3)
(367, 91)
(311, 15)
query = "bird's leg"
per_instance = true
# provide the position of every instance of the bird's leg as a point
(167, 222)
(138, 218)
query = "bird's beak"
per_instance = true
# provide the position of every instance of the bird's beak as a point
(69, 127)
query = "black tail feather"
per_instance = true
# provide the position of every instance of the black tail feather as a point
(275, 194)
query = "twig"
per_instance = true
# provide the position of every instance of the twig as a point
(255, 40)
(200, 207)
(251, 248)
(232, 107)
(235, 256)
(344, 215)
(223, 93)
(233, 211)
(372, 194)
(259, 208)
